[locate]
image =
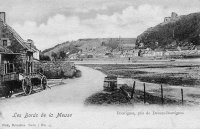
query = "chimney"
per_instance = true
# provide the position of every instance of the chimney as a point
(3, 16)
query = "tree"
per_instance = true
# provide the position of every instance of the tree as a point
(44, 58)
(62, 54)
(54, 55)
(186, 29)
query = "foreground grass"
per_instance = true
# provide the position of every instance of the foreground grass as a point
(118, 98)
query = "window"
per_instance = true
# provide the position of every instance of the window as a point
(29, 67)
(5, 43)
(8, 68)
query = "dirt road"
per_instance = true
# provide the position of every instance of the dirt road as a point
(74, 91)
(60, 102)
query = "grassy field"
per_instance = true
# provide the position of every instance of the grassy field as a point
(173, 76)
(182, 75)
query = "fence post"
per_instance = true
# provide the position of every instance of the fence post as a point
(144, 93)
(162, 99)
(125, 93)
(133, 90)
(182, 96)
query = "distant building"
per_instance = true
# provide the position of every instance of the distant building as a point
(167, 19)
(116, 52)
(159, 52)
(172, 52)
(108, 54)
(36, 54)
(174, 16)
(148, 54)
(136, 52)
(74, 56)
(90, 56)
(197, 49)
(127, 46)
(83, 55)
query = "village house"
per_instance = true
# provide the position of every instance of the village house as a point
(83, 55)
(190, 51)
(136, 52)
(108, 54)
(184, 49)
(36, 54)
(197, 49)
(127, 46)
(74, 56)
(16, 55)
(90, 56)
(116, 53)
(149, 53)
(127, 54)
(159, 52)
(173, 52)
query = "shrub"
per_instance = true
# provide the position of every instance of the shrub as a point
(78, 73)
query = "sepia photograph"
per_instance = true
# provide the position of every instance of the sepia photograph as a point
(99, 64)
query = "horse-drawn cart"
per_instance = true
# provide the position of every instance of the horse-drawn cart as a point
(26, 82)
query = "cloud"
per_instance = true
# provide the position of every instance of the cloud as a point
(41, 10)
(58, 27)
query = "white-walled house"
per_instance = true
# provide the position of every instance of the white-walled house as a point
(36, 54)
(159, 52)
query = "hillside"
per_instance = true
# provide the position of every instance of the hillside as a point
(89, 45)
(183, 31)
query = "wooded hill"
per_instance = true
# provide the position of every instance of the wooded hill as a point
(185, 31)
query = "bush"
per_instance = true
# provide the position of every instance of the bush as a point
(78, 73)
(44, 58)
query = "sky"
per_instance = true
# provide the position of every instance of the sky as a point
(49, 22)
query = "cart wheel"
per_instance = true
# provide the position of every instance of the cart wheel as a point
(7, 92)
(27, 86)
(44, 82)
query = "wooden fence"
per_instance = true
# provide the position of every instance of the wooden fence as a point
(162, 91)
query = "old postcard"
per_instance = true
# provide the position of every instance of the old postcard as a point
(99, 64)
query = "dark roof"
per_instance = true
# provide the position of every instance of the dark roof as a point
(17, 37)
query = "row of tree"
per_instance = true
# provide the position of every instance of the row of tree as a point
(55, 56)
(60, 55)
